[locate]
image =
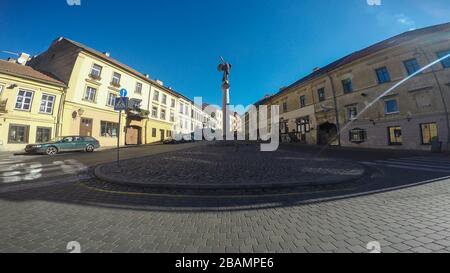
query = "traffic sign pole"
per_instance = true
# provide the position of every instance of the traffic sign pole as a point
(118, 138)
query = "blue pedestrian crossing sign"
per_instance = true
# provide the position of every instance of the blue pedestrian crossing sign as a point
(121, 104)
(123, 92)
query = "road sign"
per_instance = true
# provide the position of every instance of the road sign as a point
(123, 92)
(121, 104)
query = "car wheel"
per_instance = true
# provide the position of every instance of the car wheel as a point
(51, 151)
(90, 149)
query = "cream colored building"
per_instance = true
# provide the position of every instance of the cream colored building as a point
(94, 80)
(350, 102)
(30, 104)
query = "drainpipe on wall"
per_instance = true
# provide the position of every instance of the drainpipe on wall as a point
(60, 113)
(336, 110)
(447, 117)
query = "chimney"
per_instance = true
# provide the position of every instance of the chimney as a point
(147, 76)
(11, 60)
(107, 54)
(160, 82)
(23, 58)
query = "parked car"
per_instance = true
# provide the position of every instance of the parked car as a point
(170, 141)
(64, 144)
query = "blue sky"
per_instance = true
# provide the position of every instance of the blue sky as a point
(271, 43)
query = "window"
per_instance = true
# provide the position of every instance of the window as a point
(96, 72)
(352, 112)
(302, 101)
(138, 88)
(446, 62)
(153, 132)
(1, 89)
(163, 114)
(429, 131)
(181, 108)
(303, 125)
(90, 94)
(156, 96)
(24, 99)
(111, 99)
(173, 103)
(164, 99)
(395, 135)
(321, 94)
(154, 112)
(412, 66)
(383, 75)
(18, 134)
(358, 135)
(391, 107)
(347, 85)
(116, 79)
(186, 110)
(172, 116)
(109, 129)
(285, 107)
(47, 103)
(43, 134)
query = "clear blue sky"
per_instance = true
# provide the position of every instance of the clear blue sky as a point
(271, 43)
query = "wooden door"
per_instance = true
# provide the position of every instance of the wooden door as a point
(86, 127)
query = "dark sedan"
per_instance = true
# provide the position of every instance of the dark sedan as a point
(64, 144)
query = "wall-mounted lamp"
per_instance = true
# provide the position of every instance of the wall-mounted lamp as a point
(80, 111)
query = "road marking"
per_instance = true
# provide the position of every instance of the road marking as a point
(427, 164)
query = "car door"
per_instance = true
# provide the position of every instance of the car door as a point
(66, 144)
(79, 143)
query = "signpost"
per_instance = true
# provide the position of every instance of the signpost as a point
(121, 104)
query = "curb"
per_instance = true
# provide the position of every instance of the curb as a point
(105, 178)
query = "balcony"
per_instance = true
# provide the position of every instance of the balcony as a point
(95, 77)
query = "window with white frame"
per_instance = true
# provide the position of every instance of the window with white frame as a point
(155, 112)
(163, 114)
(173, 103)
(111, 99)
(96, 71)
(172, 116)
(90, 94)
(138, 88)
(156, 96)
(47, 103)
(181, 108)
(24, 100)
(164, 99)
(116, 79)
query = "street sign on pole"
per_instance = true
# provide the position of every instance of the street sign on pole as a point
(123, 92)
(121, 104)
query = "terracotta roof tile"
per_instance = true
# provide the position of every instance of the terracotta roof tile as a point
(27, 72)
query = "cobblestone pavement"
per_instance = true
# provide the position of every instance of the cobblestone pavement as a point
(415, 219)
(221, 165)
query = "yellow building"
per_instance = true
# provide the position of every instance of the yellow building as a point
(30, 104)
(94, 80)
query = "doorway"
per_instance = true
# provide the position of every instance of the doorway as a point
(86, 127)
(133, 136)
(327, 134)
